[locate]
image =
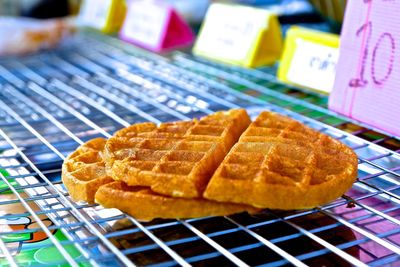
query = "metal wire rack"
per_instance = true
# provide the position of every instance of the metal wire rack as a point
(52, 102)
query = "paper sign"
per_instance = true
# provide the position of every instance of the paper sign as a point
(309, 59)
(155, 26)
(367, 85)
(104, 15)
(239, 35)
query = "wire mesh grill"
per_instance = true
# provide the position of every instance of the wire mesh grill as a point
(52, 102)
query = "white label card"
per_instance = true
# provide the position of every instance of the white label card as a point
(145, 23)
(230, 31)
(94, 13)
(313, 65)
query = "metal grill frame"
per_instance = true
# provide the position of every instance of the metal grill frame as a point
(83, 225)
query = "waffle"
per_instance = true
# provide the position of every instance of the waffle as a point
(175, 159)
(84, 176)
(280, 163)
(83, 172)
(145, 205)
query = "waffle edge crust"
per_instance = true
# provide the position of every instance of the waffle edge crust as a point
(83, 171)
(145, 205)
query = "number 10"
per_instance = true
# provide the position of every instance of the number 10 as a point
(361, 80)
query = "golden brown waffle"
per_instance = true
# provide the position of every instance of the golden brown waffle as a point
(145, 205)
(83, 172)
(280, 163)
(175, 159)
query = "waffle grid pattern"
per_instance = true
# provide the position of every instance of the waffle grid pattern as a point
(282, 152)
(278, 153)
(174, 155)
(84, 170)
(85, 177)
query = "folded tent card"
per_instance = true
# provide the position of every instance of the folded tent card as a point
(155, 26)
(309, 59)
(239, 35)
(104, 15)
(368, 74)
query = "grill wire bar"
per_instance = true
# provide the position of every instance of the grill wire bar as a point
(112, 85)
(33, 131)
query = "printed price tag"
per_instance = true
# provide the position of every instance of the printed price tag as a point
(104, 15)
(253, 40)
(309, 59)
(368, 77)
(155, 26)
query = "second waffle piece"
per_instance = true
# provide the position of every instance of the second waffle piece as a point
(146, 205)
(280, 163)
(175, 159)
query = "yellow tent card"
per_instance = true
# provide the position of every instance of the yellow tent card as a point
(239, 35)
(104, 15)
(309, 59)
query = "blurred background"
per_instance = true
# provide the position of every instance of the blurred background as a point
(194, 10)
(27, 26)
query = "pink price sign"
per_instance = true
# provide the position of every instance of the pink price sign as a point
(156, 26)
(367, 84)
